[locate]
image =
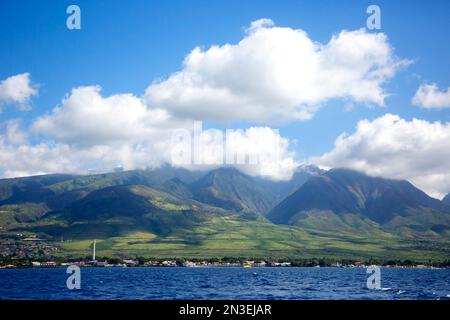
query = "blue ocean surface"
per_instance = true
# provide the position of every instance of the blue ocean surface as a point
(225, 283)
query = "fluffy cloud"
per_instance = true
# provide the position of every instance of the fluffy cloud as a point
(17, 90)
(86, 118)
(267, 151)
(47, 157)
(392, 147)
(106, 132)
(89, 132)
(428, 96)
(277, 73)
(257, 151)
(50, 157)
(14, 134)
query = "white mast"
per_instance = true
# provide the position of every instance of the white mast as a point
(93, 251)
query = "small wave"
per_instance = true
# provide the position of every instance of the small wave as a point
(386, 289)
(426, 295)
(310, 289)
(401, 291)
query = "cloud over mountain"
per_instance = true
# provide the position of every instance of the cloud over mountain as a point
(389, 146)
(90, 132)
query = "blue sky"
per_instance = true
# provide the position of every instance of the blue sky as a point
(124, 46)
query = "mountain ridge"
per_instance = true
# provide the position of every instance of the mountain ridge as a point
(446, 199)
(340, 192)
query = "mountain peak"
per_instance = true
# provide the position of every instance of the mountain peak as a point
(309, 169)
(229, 188)
(341, 192)
(226, 171)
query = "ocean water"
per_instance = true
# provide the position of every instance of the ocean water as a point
(224, 283)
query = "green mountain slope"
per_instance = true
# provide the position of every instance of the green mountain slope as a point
(347, 200)
(281, 189)
(29, 189)
(117, 210)
(148, 178)
(446, 200)
(28, 198)
(230, 189)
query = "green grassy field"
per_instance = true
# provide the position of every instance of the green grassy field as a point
(227, 236)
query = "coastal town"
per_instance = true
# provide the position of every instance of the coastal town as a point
(124, 263)
(28, 251)
(152, 263)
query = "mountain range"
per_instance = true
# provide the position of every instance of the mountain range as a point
(173, 211)
(348, 199)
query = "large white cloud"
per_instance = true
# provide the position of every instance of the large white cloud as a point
(277, 73)
(257, 151)
(86, 118)
(17, 90)
(89, 132)
(47, 157)
(392, 147)
(428, 96)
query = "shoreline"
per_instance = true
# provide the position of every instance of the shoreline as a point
(223, 266)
